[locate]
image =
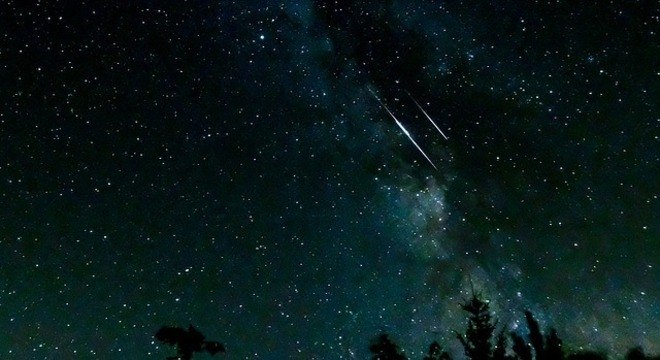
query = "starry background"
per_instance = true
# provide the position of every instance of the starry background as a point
(224, 164)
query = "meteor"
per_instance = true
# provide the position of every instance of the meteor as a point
(403, 129)
(427, 116)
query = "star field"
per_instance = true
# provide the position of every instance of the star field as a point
(226, 165)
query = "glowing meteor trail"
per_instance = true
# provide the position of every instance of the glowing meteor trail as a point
(427, 116)
(403, 129)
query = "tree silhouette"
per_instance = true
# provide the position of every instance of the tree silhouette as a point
(478, 345)
(436, 353)
(187, 342)
(535, 336)
(553, 346)
(520, 347)
(499, 353)
(637, 353)
(383, 348)
(476, 340)
(545, 348)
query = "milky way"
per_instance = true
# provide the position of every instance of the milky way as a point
(225, 165)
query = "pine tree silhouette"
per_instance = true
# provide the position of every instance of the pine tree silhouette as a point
(545, 348)
(535, 336)
(553, 346)
(383, 348)
(499, 353)
(436, 353)
(520, 347)
(476, 340)
(187, 342)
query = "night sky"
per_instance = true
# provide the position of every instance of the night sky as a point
(229, 165)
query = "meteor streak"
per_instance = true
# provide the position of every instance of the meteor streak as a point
(427, 116)
(403, 129)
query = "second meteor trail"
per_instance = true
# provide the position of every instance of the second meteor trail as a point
(404, 129)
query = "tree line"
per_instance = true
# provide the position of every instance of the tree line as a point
(479, 341)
